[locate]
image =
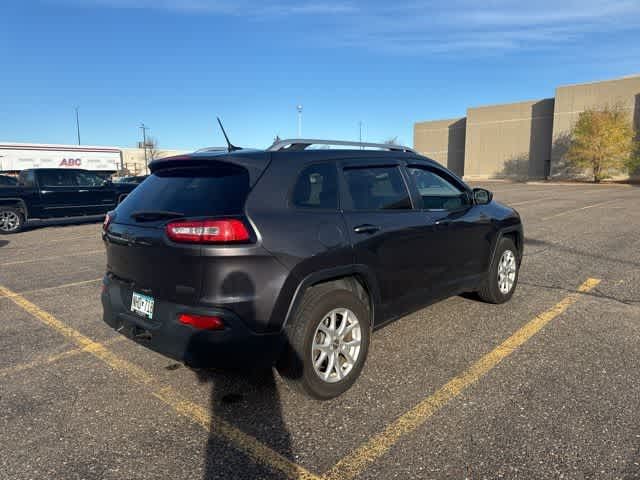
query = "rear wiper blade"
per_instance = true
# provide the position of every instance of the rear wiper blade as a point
(149, 215)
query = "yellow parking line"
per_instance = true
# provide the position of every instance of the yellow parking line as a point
(355, 462)
(52, 358)
(64, 285)
(54, 257)
(244, 442)
(581, 208)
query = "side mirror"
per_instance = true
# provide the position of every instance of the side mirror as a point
(482, 196)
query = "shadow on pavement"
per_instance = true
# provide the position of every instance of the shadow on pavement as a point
(250, 401)
(4, 243)
(246, 396)
(573, 251)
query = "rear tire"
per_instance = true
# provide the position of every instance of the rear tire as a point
(502, 278)
(11, 220)
(317, 360)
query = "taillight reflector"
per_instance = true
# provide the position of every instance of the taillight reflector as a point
(107, 221)
(208, 231)
(203, 322)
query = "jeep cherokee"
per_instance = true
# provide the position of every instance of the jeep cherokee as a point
(293, 256)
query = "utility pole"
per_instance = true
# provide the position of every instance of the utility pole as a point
(144, 129)
(78, 125)
(299, 108)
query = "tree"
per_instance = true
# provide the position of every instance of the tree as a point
(152, 149)
(601, 140)
(391, 141)
(633, 165)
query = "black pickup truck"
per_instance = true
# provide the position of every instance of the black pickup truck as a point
(57, 192)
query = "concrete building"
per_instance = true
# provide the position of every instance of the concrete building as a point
(509, 141)
(19, 156)
(525, 140)
(443, 141)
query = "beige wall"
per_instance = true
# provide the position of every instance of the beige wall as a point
(133, 158)
(443, 141)
(509, 141)
(571, 100)
(526, 139)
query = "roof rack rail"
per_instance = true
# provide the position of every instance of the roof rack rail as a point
(211, 149)
(298, 144)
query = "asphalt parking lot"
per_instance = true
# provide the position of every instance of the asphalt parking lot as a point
(546, 386)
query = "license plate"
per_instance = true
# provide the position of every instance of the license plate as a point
(142, 305)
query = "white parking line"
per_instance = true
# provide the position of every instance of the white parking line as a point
(581, 208)
(41, 259)
(55, 287)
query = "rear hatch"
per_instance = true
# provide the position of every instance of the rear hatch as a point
(139, 252)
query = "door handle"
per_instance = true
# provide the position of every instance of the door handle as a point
(366, 228)
(83, 191)
(443, 222)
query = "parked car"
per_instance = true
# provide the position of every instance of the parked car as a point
(57, 192)
(7, 181)
(294, 256)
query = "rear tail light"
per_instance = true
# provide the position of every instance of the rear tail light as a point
(202, 322)
(208, 231)
(107, 221)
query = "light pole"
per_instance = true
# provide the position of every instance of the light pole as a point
(360, 128)
(144, 129)
(299, 108)
(78, 125)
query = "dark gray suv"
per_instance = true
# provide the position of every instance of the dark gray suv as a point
(294, 256)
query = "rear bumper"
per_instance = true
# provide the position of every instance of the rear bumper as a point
(234, 346)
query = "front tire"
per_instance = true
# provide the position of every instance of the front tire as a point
(328, 342)
(502, 278)
(11, 220)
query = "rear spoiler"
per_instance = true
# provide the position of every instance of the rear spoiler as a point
(254, 162)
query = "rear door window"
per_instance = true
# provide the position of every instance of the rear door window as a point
(377, 188)
(27, 179)
(87, 179)
(317, 187)
(218, 189)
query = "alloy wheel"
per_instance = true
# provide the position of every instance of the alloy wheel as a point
(507, 272)
(336, 345)
(9, 221)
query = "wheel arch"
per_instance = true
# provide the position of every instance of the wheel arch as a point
(513, 232)
(357, 278)
(15, 202)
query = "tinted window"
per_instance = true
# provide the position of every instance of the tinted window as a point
(27, 179)
(59, 178)
(377, 188)
(219, 189)
(85, 179)
(437, 192)
(7, 180)
(317, 187)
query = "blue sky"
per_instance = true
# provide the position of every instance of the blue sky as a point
(175, 64)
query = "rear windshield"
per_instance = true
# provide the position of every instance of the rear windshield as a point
(219, 189)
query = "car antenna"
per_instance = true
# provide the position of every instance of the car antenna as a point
(230, 146)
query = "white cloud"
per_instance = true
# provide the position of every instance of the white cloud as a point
(424, 26)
